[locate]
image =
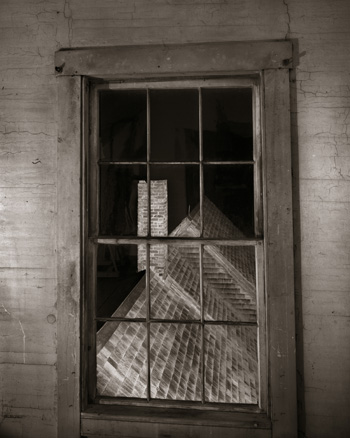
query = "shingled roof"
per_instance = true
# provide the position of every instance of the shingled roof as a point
(230, 352)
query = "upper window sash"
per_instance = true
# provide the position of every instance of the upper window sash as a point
(250, 81)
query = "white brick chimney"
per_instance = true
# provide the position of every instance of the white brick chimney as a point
(159, 223)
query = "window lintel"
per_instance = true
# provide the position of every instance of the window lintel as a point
(183, 59)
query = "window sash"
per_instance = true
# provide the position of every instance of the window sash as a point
(257, 242)
(252, 82)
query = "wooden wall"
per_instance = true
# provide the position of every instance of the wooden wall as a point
(30, 32)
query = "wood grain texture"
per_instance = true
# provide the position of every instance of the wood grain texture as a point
(166, 59)
(175, 22)
(28, 311)
(151, 430)
(148, 422)
(186, 415)
(68, 257)
(22, 416)
(32, 30)
(279, 253)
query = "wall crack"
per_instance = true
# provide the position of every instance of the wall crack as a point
(24, 341)
(288, 20)
(5, 315)
(67, 13)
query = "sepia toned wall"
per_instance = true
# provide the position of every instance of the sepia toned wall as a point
(30, 32)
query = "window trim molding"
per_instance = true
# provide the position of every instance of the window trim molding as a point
(68, 255)
(272, 61)
(183, 59)
(223, 82)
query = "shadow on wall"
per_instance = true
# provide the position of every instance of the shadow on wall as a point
(297, 242)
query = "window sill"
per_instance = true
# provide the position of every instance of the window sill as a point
(148, 422)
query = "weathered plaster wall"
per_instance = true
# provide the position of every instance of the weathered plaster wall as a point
(30, 32)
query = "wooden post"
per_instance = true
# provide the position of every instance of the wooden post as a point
(279, 254)
(68, 261)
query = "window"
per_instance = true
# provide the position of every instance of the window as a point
(177, 241)
(184, 238)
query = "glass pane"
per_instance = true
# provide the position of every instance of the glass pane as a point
(174, 284)
(229, 283)
(118, 199)
(228, 206)
(176, 361)
(174, 125)
(179, 185)
(120, 282)
(227, 124)
(231, 364)
(123, 125)
(122, 359)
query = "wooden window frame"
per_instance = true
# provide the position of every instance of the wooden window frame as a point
(255, 242)
(270, 63)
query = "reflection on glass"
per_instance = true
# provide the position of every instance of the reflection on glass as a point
(229, 283)
(227, 124)
(174, 195)
(174, 282)
(123, 125)
(174, 125)
(231, 364)
(228, 272)
(228, 207)
(118, 199)
(176, 361)
(120, 282)
(122, 359)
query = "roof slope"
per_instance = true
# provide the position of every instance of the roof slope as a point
(230, 352)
